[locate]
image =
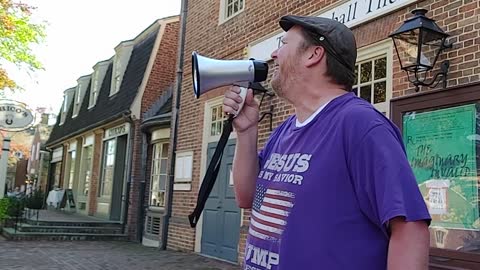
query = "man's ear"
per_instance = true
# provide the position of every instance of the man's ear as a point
(315, 56)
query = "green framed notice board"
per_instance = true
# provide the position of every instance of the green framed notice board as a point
(442, 151)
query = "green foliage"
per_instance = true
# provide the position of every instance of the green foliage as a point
(4, 206)
(17, 35)
(11, 207)
(35, 201)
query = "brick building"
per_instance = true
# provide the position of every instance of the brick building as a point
(97, 138)
(237, 29)
(38, 163)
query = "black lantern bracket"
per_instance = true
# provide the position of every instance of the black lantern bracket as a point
(418, 44)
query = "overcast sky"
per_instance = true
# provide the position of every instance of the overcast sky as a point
(79, 34)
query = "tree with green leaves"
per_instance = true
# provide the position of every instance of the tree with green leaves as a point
(17, 35)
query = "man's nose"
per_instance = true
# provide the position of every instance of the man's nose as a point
(274, 54)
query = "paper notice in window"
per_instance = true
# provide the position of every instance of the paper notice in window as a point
(437, 196)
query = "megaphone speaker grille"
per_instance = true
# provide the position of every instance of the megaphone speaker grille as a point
(196, 75)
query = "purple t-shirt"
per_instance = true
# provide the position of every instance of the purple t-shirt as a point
(326, 191)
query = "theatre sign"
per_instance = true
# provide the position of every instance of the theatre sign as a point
(351, 13)
(14, 116)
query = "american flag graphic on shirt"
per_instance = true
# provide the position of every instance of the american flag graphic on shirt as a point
(271, 208)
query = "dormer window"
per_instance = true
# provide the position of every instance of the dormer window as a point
(94, 90)
(120, 61)
(80, 93)
(78, 97)
(118, 75)
(100, 69)
(68, 96)
(64, 109)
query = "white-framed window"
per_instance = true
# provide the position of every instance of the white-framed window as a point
(64, 109)
(108, 167)
(78, 97)
(117, 75)
(373, 74)
(217, 121)
(158, 178)
(94, 89)
(230, 8)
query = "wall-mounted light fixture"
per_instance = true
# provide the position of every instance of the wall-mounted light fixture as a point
(418, 43)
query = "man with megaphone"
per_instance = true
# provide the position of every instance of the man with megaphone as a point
(332, 188)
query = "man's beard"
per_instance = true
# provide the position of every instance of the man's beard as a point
(277, 84)
(283, 78)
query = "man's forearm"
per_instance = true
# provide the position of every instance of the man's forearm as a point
(409, 246)
(245, 168)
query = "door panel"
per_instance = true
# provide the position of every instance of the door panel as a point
(221, 217)
(118, 178)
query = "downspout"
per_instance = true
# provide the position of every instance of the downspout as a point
(141, 206)
(128, 118)
(175, 109)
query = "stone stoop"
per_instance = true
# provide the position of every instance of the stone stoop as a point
(65, 231)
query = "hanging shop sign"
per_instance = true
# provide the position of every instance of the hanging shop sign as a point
(14, 116)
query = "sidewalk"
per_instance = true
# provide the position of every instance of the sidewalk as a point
(41, 255)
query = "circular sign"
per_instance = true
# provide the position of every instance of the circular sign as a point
(14, 116)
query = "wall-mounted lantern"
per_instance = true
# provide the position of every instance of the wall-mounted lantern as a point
(418, 43)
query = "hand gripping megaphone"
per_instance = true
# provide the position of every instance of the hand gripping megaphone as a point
(210, 73)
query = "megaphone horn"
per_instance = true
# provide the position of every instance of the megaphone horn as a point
(211, 73)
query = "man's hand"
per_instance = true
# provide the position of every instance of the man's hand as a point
(409, 245)
(248, 116)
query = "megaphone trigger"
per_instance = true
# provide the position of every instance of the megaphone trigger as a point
(243, 95)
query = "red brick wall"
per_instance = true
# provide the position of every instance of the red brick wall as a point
(134, 196)
(163, 73)
(260, 18)
(161, 78)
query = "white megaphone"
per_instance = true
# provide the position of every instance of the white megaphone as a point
(210, 73)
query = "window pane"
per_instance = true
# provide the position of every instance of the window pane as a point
(241, 4)
(212, 129)
(161, 199)
(163, 166)
(235, 7)
(355, 91)
(356, 74)
(381, 68)
(155, 183)
(165, 150)
(380, 92)
(214, 113)
(365, 72)
(366, 93)
(163, 181)
(219, 113)
(229, 11)
(155, 167)
(219, 128)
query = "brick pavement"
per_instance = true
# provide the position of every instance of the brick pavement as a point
(42, 255)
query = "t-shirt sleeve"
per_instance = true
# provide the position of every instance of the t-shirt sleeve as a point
(383, 179)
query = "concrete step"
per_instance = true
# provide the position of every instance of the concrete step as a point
(10, 234)
(69, 229)
(111, 224)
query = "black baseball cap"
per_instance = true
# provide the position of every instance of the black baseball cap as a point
(337, 39)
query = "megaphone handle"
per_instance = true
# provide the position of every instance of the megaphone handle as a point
(243, 95)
